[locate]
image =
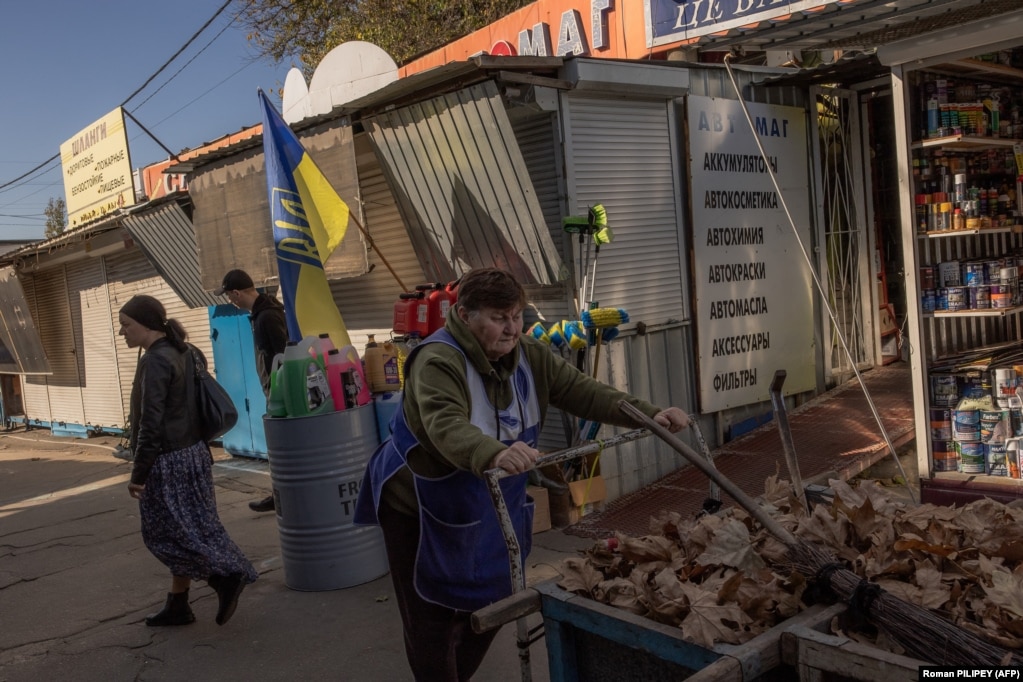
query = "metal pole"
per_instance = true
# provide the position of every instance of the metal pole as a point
(787, 445)
(518, 576)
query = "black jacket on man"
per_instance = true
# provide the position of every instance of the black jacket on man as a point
(269, 335)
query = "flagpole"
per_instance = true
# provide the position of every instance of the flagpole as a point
(351, 217)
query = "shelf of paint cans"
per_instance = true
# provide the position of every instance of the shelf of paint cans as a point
(965, 142)
(976, 312)
(945, 234)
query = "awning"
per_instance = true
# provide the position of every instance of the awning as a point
(167, 239)
(850, 24)
(21, 350)
(463, 188)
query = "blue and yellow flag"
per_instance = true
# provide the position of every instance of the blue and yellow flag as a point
(309, 221)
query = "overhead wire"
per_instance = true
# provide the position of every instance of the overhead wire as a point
(149, 80)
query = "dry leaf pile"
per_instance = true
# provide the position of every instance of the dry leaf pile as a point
(723, 578)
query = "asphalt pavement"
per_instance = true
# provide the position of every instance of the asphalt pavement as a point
(76, 582)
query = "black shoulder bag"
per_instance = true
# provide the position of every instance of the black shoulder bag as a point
(216, 412)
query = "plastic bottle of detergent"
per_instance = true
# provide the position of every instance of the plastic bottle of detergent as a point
(303, 381)
(321, 346)
(275, 406)
(345, 371)
(373, 362)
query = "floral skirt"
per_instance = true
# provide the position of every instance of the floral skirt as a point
(180, 525)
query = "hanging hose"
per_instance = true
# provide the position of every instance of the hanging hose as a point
(813, 273)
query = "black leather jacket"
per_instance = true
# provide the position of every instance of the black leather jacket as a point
(163, 417)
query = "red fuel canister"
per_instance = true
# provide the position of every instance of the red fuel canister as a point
(438, 300)
(410, 313)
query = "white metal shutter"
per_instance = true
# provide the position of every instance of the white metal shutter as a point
(97, 339)
(620, 153)
(54, 320)
(36, 398)
(129, 274)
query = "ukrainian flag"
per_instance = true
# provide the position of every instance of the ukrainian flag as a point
(309, 221)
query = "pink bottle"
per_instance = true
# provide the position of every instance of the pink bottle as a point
(345, 369)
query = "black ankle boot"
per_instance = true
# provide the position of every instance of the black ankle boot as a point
(228, 589)
(175, 612)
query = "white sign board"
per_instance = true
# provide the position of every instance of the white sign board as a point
(97, 170)
(754, 303)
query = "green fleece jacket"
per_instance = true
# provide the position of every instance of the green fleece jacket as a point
(436, 405)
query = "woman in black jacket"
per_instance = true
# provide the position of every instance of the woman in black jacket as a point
(172, 477)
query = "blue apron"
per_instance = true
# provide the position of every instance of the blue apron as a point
(462, 562)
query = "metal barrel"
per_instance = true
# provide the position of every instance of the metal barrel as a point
(316, 466)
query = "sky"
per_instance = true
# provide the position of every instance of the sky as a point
(68, 63)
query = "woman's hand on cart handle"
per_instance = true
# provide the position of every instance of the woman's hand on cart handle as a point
(673, 418)
(517, 458)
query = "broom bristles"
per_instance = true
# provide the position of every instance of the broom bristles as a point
(921, 632)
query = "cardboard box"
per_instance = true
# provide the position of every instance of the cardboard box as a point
(583, 497)
(588, 492)
(542, 510)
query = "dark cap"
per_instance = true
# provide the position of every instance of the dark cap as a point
(235, 279)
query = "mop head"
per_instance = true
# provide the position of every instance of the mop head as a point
(609, 334)
(574, 224)
(539, 333)
(604, 317)
(575, 334)
(603, 235)
(556, 335)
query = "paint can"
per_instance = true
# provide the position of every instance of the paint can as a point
(972, 457)
(941, 423)
(944, 390)
(979, 296)
(1002, 298)
(974, 273)
(1012, 457)
(928, 301)
(993, 269)
(943, 455)
(974, 385)
(927, 280)
(990, 425)
(1005, 382)
(996, 462)
(966, 425)
(949, 274)
(1009, 277)
(957, 298)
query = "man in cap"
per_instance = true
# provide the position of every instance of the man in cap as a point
(269, 335)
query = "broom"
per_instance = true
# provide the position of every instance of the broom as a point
(921, 632)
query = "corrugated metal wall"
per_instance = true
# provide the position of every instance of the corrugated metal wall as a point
(367, 302)
(129, 274)
(96, 348)
(167, 237)
(624, 153)
(35, 397)
(60, 391)
(620, 154)
(458, 171)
